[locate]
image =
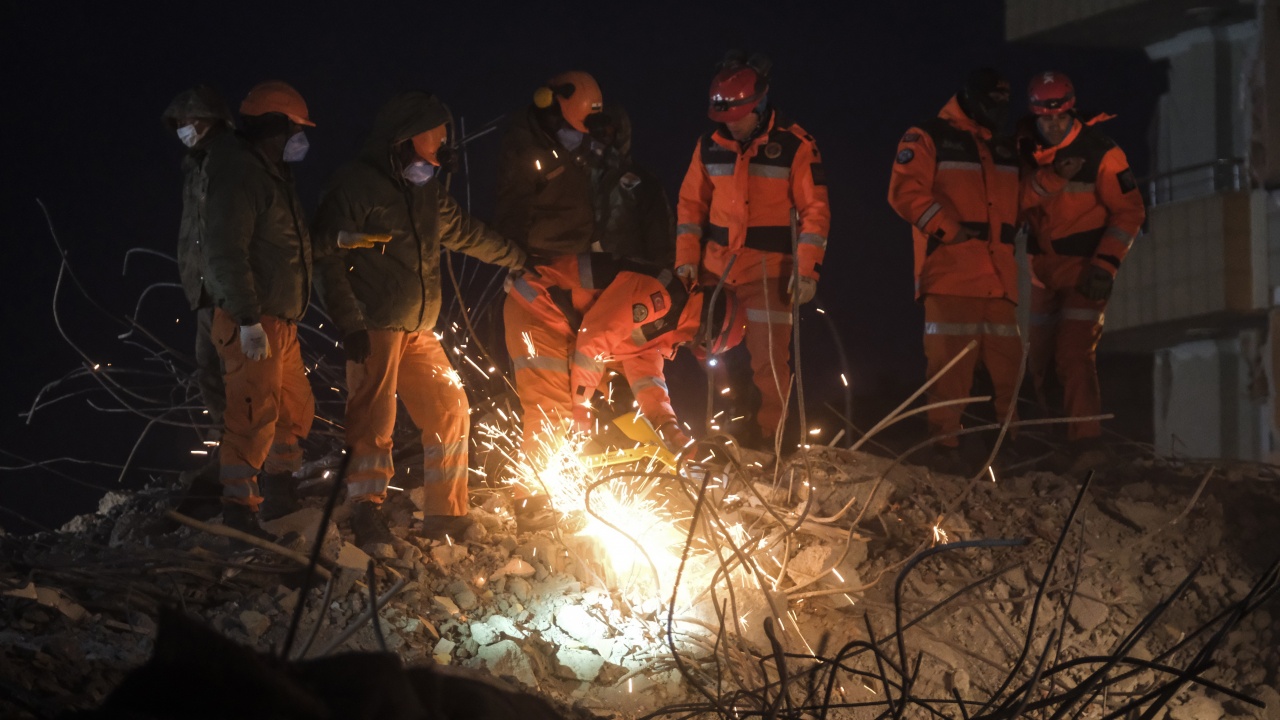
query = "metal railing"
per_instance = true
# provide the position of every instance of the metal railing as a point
(1196, 181)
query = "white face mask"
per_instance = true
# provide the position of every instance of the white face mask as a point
(189, 135)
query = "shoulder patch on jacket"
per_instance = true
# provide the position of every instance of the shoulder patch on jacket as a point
(905, 156)
(658, 302)
(639, 312)
(1128, 183)
(910, 137)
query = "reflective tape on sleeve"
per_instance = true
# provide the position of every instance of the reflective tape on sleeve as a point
(371, 486)
(541, 362)
(814, 239)
(1120, 235)
(771, 317)
(586, 362)
(524, 289)
(719, 169)
(959, 165)
(928, 215)
(693, 229)
(645, 383)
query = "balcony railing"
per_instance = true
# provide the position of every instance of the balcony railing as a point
(1196, 181)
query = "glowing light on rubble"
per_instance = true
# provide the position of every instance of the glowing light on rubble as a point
(211, 443)
(537, 164)
(725, 391)
(815, 431)
(821, 311)
(939, 535)
(844, 380)
(992, 470)
(837, 574)
(199, 452)
(95, 366)
(713, 362)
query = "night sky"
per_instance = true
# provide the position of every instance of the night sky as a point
(85, 84)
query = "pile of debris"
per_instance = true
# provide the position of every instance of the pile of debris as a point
(835, 529)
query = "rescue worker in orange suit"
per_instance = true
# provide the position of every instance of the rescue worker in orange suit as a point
(639, 320)
(957, 181)
(1081, 237)
(736, 202)
(378, 235)
(197, 116)
(258, 260)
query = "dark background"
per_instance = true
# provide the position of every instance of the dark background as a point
(85, 83)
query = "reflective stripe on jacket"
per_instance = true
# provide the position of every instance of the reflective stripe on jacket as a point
(951, 173)
(1100, 212)
(737, 202)
(258, 254)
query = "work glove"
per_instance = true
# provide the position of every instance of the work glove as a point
(803, 293)
(688, 273)
(353, 240)
(253, 342)
(1095, 283)
(674, 437)
(357, 346)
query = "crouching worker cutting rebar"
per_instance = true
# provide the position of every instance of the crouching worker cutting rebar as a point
(378, 234)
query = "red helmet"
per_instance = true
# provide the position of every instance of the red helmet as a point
(725, 321)
(735, 92)
(279, 97)
(1051, 93)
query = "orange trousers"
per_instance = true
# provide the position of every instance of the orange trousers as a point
(1065, 328)
(414, 367)
(950, 323)
(269, 407)
(768, 341)
(540, 342)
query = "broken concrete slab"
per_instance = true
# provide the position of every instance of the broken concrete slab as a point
(505, 658)
(580, 624)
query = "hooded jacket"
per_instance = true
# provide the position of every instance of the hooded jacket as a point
(200, 101)
(952, 173)
(545, 193)
(633, 215)
(394, 285)
(258, 253)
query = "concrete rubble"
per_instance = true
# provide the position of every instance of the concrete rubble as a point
(77, 606)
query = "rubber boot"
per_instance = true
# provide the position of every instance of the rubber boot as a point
(535, 513)
(369, 524)
(243, 518)
(279, 496)
(436, 527)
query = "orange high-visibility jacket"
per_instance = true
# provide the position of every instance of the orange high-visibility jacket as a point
(738, 201)
(636, 321)
(950, 173)
(1100, 212)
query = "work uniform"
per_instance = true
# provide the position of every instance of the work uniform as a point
(952, 173)
(1092, 222)
(258, 270)
(391, 288)
(558, 204)
(200, 102)
(735, 206)
(638, 320)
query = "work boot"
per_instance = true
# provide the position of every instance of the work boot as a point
(947, 460)
(243, 518)
(369, 524)
(202, 499)
(279, 495)
(436, 527)
(535, 513)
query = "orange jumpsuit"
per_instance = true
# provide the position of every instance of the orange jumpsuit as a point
(736, 202)
(1092, 222)
(951, 173)
(641, 317)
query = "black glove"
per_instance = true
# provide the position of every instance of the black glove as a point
(357, 346)
(1095, 284)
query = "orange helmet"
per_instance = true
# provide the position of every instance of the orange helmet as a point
(276, 96)
(1051, 93)
(578, 94)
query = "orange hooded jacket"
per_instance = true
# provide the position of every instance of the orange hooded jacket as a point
(951, 173)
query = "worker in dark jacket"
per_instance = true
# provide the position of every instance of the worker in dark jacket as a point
(378, 235)
(197, 116)
(258, 270)
(633, 214)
